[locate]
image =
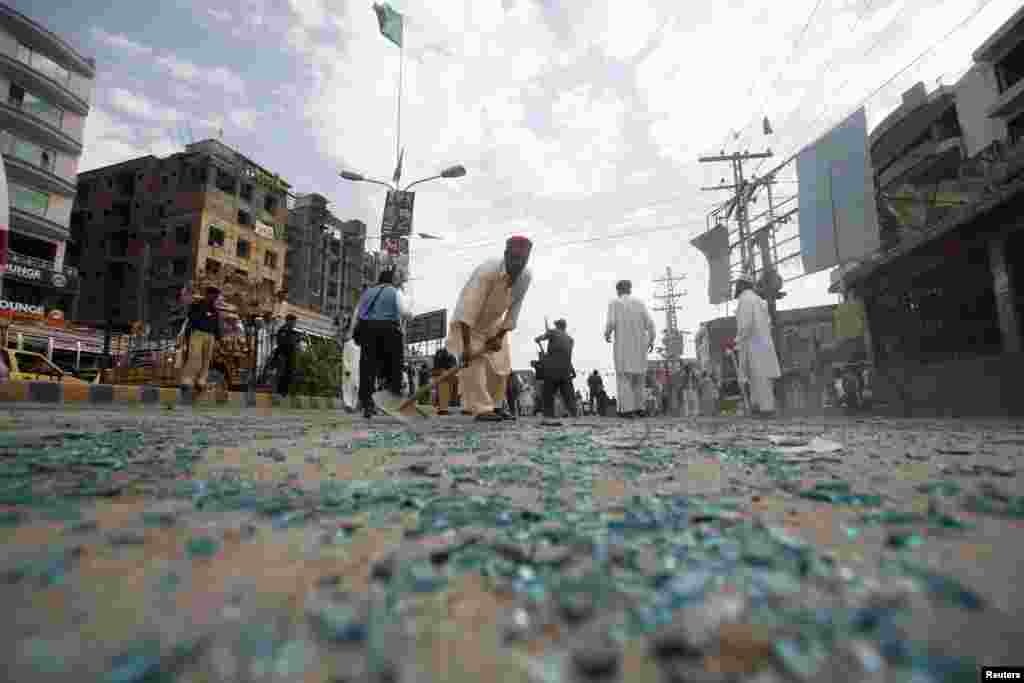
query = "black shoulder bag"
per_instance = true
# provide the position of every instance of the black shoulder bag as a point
(359, 330)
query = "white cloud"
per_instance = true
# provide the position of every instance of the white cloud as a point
(141, 107)
(218, 77)
(220, 14)
(246, 119)
(121, 42)
(109, 140)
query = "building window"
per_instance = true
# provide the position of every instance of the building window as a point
(270, 203)
(242, 250)
(34, 105)
(212, 267)
(44, 65)
(216, 237)
(225, 181)
(180, 266)
(270, 259)
(33, 154)
(84, 192)
(244, 218)
(29, 200)
(163, 182)
(246, 192)
(182, 234)
(199, 176)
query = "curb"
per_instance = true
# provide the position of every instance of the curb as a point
(110, 394)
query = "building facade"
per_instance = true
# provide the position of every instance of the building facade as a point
(145, 229)
(324, 263)
(943, 301)
(47, 89)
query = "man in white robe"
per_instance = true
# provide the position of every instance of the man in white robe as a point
(757, 364)
(487, 310)
(633, 327)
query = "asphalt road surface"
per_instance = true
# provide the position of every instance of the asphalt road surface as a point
(202, 545)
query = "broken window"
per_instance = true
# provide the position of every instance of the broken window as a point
(225, 181)
(199, 175)
(246, 192)
(126, 184)
(183, 234)
(242, 250)
(180, 266)
(244, 218)
(216, 238)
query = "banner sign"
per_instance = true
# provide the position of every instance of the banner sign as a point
(398, 213)
(23, 269)
(395, 246)
(263, 230)
(18, 310)
(427, 327)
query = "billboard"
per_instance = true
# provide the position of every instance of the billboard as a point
(398, 213)
(838, 215)
(427, 327)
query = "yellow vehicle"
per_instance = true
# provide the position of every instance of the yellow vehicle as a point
(27, 366)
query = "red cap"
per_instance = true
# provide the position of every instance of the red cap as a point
(518, 244)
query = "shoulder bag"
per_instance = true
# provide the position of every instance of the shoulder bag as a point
(359, 329)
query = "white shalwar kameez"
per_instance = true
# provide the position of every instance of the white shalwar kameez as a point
(633, 326)
(757, 362)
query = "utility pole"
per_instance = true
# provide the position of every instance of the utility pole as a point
(770, 284)
(673, 344)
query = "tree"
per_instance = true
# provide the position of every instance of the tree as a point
(318, 368)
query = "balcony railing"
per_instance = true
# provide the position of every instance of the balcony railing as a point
(53, 116)
(42, 264)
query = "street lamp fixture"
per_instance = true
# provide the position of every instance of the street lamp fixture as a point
(354, 177)
(456, 171)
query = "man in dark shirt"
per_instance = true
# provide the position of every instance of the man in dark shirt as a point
(287, 347)
(203, 331)
(558, 371)
(596, 386)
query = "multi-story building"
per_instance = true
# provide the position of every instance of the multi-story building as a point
(46, 90)
(324, 264)
(943, 304)
(146, 228)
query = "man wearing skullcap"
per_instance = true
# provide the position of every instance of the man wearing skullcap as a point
(633, 327)
(757, 365)
(487, 310)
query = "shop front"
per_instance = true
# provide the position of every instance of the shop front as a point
(34, 283)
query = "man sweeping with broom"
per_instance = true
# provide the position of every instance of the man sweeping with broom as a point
(487, 310)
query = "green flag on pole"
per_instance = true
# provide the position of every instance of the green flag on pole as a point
(390, 22)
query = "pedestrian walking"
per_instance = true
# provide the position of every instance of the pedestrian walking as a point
(287, 347)
(447, 389)
(487, 310)
(757, 364)
(633, 328)
(595, 386)
(558, 371)
(203, 330)
(381, 310)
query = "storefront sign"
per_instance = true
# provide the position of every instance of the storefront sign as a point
(24, 272)
(18, 310)
(59, 281)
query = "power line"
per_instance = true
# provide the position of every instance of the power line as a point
(900, 72)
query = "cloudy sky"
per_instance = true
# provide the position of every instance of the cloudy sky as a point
(579, 123)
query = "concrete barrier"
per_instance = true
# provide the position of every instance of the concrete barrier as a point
(108, 394)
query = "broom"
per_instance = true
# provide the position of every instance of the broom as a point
(423, 393)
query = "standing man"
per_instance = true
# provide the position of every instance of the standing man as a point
(382, 309)
(633, 327)
(757, 365)
(287, 346)
(558, 372)
(487, 310)
(203, 330)
(596, 386)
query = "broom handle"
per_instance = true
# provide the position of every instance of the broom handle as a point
(434, 381)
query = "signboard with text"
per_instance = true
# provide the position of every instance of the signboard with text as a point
(398, 213)
(427, 327)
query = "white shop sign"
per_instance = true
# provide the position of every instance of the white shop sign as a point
(24, 272)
